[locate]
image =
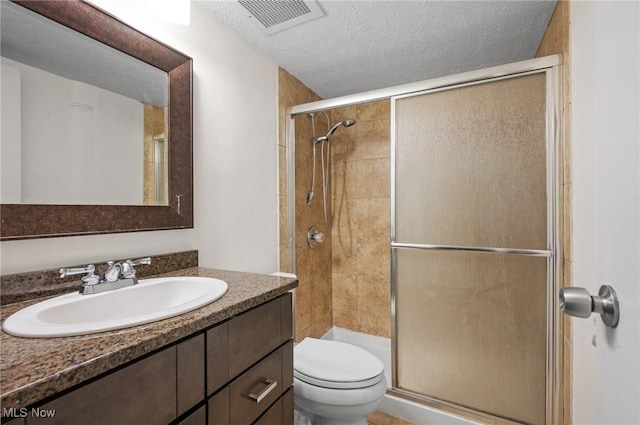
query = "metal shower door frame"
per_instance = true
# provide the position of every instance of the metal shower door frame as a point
(552, 251)
(549, 65)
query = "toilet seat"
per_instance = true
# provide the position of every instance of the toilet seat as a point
(333, 364)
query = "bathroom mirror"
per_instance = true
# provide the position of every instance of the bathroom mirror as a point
(143, 156)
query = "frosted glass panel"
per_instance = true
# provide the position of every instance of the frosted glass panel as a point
(471, 329)
(471, 166)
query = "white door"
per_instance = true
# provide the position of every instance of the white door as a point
(605, 187)
(618, 207)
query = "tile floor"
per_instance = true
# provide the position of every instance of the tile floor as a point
(379, 418)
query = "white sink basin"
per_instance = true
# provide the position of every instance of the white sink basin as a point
(148, 301)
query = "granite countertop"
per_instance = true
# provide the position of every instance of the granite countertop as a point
(32, 369)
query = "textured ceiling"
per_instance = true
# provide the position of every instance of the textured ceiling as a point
(363, 45)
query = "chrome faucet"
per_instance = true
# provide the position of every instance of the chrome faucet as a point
(113, 272)
(118, 275)
(127, 267)
(89, 279)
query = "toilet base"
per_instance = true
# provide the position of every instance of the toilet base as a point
(325, 406)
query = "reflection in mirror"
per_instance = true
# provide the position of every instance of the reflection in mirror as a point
(26, 221)
(81, 121)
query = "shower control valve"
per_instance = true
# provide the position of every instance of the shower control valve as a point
(314, 237)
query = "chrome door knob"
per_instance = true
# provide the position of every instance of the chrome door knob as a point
(577, 302)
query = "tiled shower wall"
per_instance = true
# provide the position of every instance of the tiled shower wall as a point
(346, 280)
(313, 266)
(360, 175)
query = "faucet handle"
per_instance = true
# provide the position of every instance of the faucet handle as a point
(128, 270)
(70, 271)
(89, 279)
(140, 261)
(113, 271)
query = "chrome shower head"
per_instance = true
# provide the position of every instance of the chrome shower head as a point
(347, 123)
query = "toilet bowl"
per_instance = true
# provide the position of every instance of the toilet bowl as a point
(336, 383)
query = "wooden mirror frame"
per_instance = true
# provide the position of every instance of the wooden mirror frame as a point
(20, 221)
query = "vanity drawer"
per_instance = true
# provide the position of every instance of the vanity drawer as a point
(218, 406)
(142, 393)
(281, 413)
(199, 417)
(257, 332)
(256, 389)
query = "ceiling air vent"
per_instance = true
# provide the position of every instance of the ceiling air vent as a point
(278, 15)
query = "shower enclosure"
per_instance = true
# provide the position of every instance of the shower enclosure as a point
(475, 225)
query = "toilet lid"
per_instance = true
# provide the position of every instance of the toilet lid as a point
(333, 364)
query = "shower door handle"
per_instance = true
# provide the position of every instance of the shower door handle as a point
(578, 303)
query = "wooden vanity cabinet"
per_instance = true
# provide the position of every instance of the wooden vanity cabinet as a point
(142, 393)
(259, 360)
(237, 372)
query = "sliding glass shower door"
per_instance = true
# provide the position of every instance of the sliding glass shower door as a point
(472, 245)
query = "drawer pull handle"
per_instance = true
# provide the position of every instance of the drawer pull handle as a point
(270, 385)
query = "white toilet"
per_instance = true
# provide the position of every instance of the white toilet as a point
(336, 383)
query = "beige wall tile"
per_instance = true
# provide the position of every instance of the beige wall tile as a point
(321, 301)
(344, 250)
(343, 181)
(283, 223)
(285, 259)
(303, 334)
(361, 227)
(343, 223)
(373, 325)
(345, 319)
(343, 144)
(555, 36)
(328, 275)
(373, 140)
(383, 327)
(380, 110)
(374, 257)
(373, 218)
(345, 292)
(303, 307)
(340, 114)
(373, 178)
(374, 296)
(313, 267)
(321, 326)
(367, 324)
